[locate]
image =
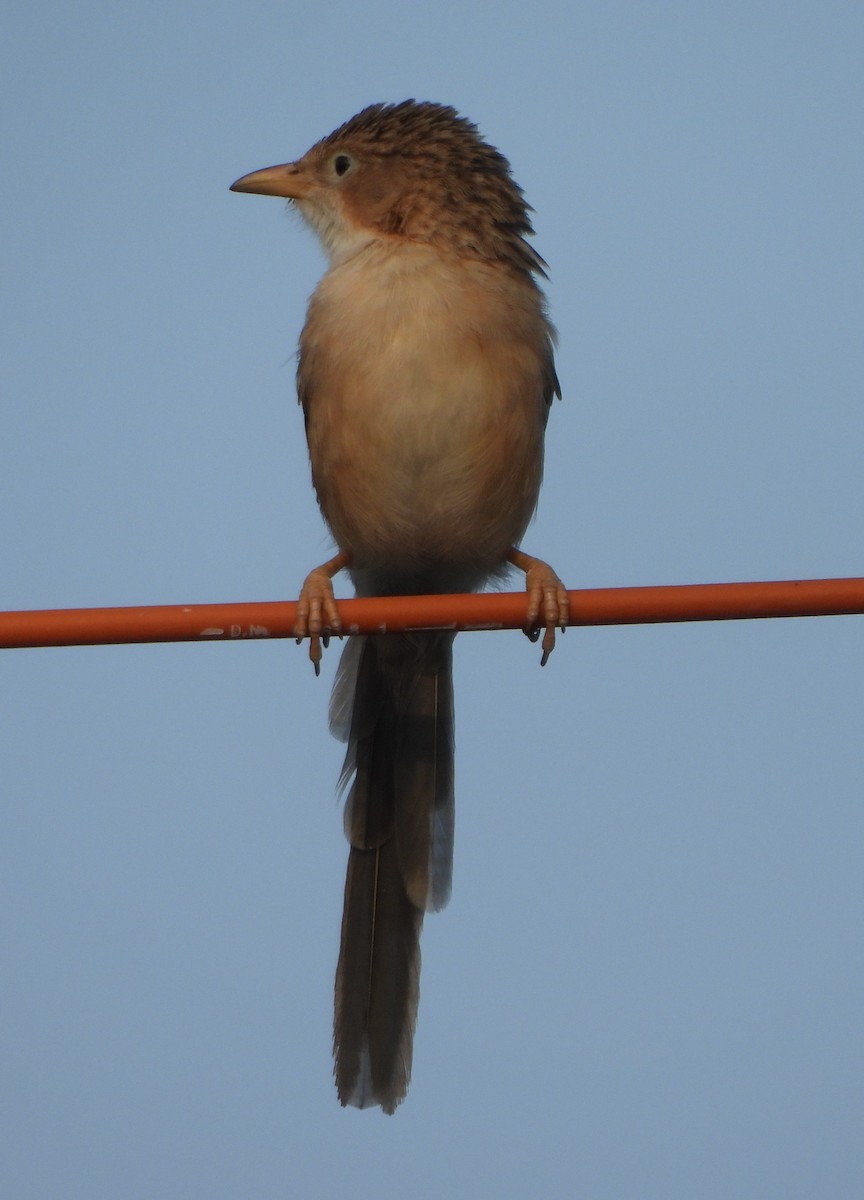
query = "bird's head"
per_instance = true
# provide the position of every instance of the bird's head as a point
(416, 171)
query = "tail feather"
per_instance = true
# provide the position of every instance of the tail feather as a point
(399, 820)
(424, 775)
(377, 983)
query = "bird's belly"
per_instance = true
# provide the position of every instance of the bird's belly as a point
(423, 384)
(443, 474)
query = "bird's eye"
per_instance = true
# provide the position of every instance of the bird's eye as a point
(342, 164)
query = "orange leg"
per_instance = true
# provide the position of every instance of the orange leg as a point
(317, 617)
(546, 594)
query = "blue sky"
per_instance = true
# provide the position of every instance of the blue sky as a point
(649, 980)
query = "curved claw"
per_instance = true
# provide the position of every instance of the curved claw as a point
(317, 616)
(548, 601)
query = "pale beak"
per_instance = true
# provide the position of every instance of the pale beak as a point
(285, 180)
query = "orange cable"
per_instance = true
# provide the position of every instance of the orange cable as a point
(392, 614)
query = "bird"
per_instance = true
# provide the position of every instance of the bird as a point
(426, 375)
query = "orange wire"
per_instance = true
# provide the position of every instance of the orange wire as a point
(392, 614)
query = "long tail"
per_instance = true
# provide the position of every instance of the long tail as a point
(394, 699)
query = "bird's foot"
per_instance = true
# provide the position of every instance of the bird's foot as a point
(317, 617)
(548, 602)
